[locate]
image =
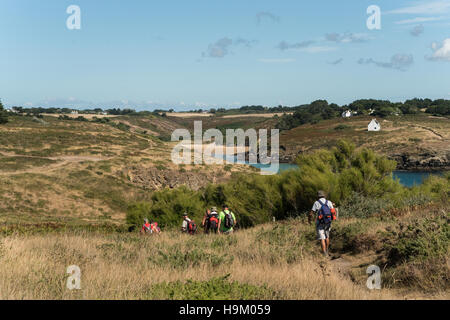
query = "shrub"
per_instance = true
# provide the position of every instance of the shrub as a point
(342, 127)
(417, 254)
(214, 289)
(168, 205)
(3, 115)
(136, 214)
(174, 257)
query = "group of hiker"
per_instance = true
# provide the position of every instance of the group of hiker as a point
(223, 222)
(212, 222)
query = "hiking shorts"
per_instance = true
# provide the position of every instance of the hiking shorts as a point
(323, 232)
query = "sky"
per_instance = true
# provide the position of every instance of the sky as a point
(147, 54)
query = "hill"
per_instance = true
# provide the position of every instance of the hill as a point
(272, 261)
(80, 171)
(416, 142)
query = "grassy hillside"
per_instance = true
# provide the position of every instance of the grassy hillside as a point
(415, 141)
(66, 186)
(272, 261)
(84, 172)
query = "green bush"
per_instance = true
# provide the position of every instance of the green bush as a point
(136, 214)
(168, 206)
(213, 289)
(359, 181)
(342, 127)
(417, 254)
(3, 114)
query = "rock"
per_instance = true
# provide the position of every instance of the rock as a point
(155, 179)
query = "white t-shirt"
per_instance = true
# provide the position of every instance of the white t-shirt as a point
(185, 223)
(317, 205)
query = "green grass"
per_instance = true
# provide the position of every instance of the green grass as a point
(22, 163)
(213, 289)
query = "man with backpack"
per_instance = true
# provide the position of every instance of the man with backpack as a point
(211, 221)
(325, 214)
(227, 220)
(188, 225)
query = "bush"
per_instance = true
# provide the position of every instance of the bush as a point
(358, 180)
(3, 115)
(214, 289)
(417, 254)
(136, 214)
(342, 127)
(168, 205)
(176, 258)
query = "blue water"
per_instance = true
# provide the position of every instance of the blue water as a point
(406, 178)
(412, 178)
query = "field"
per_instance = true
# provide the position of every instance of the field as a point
(66, 186)
(272, 261)
(415, 141)
(72, 172)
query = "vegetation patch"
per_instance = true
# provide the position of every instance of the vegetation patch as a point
(213, 289)
(176, 258)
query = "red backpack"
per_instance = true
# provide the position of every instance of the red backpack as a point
(191, 227)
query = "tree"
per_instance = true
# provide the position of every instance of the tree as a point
(3, 114)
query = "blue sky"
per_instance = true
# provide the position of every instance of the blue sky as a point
(209, 53)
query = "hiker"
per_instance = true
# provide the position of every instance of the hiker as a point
(211, 221)
(148, 228)
(188, 225)
(227, 220)
(325, 214)
(205, 221)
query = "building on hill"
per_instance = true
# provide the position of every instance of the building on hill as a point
(374, 125)
(347, 114)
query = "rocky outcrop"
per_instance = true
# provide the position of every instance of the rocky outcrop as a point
(155, 179)
(425, 161)
(422, 162)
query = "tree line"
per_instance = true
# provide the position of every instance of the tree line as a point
(322, 110)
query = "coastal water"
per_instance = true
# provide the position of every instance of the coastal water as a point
(406, 178)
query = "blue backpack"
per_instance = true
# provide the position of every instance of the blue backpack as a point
(324, 215)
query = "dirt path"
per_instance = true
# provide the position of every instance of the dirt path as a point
(348, 265)
(439, 136)
(63, 161)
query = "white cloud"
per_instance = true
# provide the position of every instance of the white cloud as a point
(435, 7)
(347, 37)
(441, 51)
(264, 15)
(275, 60)
(222, 47)
(417, 30)
(419, 20)
(398, 62)
(317, 49)
(283, 45)
(336, 62)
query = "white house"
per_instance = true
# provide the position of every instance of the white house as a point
(374, 125)
(347, 114)
(74, 112)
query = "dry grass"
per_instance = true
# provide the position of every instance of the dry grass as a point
(126, 266)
